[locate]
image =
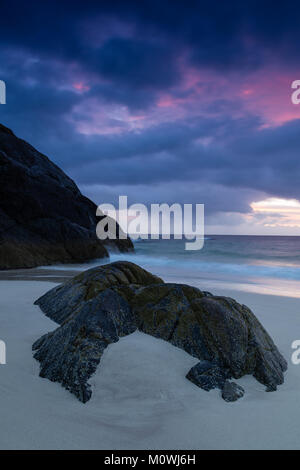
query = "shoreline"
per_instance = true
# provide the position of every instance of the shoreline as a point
(206, 281)
(38, 274)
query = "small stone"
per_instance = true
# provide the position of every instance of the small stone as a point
(271, 388)
(207, 375)
(232, 391)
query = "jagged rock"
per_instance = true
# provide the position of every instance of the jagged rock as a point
(97, 307)
(66, 299)
(232, 391)
(71, 353)
(213, 328)
(208, 375)
(93, 310)
(44, 219)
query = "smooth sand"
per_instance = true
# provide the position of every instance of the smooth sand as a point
(141, 399)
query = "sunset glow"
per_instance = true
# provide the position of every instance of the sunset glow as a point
(279, 212)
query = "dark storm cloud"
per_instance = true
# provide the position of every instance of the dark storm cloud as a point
(48, 46)
(266, 160)
(137, 63)
(239, 157)
(217, 198)
(226, 34)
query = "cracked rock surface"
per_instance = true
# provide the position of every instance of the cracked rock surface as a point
(97, 307)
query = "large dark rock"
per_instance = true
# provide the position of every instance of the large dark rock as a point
(44, 218)
(93, 310)
(97, 307)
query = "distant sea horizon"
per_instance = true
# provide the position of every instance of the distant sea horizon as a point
(266, 264)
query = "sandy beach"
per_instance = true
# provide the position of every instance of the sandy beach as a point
(141, 398)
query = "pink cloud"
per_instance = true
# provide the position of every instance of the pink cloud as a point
(81, 87)
(265, 93)
(92, 116)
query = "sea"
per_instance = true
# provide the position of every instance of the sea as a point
(259, 264)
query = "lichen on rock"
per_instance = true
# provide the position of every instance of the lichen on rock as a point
(100, 305)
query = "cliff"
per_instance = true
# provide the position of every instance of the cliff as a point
(44, 218)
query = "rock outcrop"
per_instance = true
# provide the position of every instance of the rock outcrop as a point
(102, 304)
(44, 218)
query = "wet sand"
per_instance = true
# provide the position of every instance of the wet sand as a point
(38, 274)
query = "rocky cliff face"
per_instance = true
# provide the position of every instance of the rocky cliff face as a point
(102, 304)
(44, 218)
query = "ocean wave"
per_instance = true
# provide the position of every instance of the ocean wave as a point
(235, 269)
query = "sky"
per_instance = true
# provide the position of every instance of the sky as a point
(163, 101)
